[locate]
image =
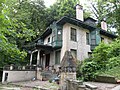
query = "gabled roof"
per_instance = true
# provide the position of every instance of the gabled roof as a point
(79, 23)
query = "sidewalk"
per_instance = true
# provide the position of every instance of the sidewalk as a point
(105, 86)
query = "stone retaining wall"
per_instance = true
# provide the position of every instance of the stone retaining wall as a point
(77, 85)
(12, 73)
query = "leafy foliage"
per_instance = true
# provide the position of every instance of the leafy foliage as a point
(104, 58)
(63, 8)
(108, 10)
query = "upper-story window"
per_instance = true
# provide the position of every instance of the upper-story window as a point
(49, 40)
(73, 34)
(74, 53)
(93, 39)
(87, 39)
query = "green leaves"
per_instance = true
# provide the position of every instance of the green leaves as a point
(104, 58)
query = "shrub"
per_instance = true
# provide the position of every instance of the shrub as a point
(104, 58)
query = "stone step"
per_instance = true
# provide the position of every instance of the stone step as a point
(48, 75)
(90, 86)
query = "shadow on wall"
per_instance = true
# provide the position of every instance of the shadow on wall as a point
(1, 73)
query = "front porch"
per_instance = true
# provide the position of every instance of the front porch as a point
(42, 56)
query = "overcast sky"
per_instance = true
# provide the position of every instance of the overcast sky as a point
(50, 2)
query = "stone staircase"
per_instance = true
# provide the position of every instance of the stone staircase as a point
(48, 75)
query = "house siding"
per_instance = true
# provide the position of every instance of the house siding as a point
(79, 45)
(46, 40)
(67, 44)
(107, 39)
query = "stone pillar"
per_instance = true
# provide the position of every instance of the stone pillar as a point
(66, 76)
(31, 58)
(39, 76)
(38, 57)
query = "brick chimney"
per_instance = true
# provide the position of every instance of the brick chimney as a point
(104, 25)
(79, 12)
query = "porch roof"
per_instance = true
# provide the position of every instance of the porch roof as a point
(44, 47)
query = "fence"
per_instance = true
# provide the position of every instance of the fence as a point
(19, 68)
(13, 73)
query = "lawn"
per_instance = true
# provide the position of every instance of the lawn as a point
(112, 72)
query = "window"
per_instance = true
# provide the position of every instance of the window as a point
(93, 39)
(89, 54)
(54, 36)
(74, 53)
(73, 34)
(6, 76)
(102, 39)
(57, 57)
(49, 40)
(87, 39)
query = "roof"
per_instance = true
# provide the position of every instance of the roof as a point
(89, 18)
(47, 32)
(44, 47)
(79, 23)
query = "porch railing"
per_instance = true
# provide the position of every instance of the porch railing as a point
(20, 68)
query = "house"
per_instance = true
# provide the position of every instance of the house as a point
(73, 34)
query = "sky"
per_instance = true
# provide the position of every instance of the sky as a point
(50, 2)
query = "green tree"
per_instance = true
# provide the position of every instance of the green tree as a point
(104, 58)
(9, 52)
(108, 10)
(29, 14)
(63, 8)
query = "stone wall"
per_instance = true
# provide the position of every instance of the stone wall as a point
(78, 85)
(16, 76)
(18, 73)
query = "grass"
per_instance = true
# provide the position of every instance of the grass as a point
(112, 72)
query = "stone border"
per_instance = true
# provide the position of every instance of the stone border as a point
(106, 79)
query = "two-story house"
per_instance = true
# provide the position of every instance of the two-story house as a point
(73, 34)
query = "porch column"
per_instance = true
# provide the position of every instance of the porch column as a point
(31, 58)
(38, 57)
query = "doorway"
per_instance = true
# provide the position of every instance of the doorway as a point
(1, 73)
(47, 62)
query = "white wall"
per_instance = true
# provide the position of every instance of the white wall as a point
(46, 40)
(52, 58)
(79, 45)
(107, 39)
(16, 76)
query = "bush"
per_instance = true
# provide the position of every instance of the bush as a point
(104, 58)
(113, 62)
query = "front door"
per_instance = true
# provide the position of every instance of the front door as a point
(47, 60)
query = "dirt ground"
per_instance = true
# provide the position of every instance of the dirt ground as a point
(30, 85)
